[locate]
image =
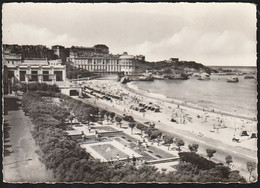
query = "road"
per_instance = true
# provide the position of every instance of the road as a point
(21, 162)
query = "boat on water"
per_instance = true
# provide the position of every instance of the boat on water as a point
(249, 76)
(204, 76)
(233, 79)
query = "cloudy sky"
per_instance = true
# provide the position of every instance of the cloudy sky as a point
(211, 34)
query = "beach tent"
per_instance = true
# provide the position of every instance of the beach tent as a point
(157, 110)
(244, 133)
(142, 110)
(253, 135)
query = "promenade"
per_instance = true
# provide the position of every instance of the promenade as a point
(21, 162)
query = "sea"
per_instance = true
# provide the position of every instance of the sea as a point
(215, 93)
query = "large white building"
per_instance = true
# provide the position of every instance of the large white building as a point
(35, 70)
(107, 63)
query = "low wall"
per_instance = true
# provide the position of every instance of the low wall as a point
(167, 160)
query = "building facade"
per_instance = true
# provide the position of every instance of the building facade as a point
(97, 59)
(37, 71)
(110, 64)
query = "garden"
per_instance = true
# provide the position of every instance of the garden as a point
(71, 163)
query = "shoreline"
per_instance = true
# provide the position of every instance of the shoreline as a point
(132, 88)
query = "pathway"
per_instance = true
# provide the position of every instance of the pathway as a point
(21, 164)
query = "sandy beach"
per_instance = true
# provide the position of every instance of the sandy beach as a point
(193, 119)
(195, 125)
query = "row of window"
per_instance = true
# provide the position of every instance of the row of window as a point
(35, 77)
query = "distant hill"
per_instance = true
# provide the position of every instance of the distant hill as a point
(177, 65)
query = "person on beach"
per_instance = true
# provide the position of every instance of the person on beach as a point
(117, 156)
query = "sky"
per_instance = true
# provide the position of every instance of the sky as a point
(208, 33)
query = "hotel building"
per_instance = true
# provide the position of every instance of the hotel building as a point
(97, 59)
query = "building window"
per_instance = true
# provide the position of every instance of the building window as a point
(35, 76)
(45, 75)
(58, 75)
(22, 75)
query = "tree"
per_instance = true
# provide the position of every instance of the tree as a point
(195, 159)
(168, 140)
(93, 111)
(131, 125)
(251, 166)
(128, 118)
(118, 120)
(102, 114)
(141, 127)
(179, 142)
(193, 147)
(210, 152)
(107, 114)
(229, 159)
(235, 177)
(156, 134)
(112, 115)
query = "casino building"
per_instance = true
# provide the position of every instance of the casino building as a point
(35, 70)
(29, 63)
